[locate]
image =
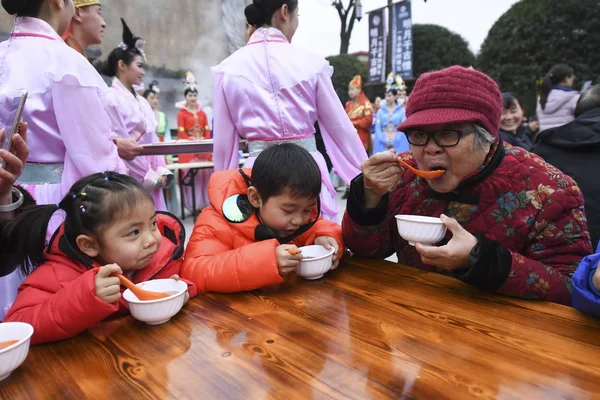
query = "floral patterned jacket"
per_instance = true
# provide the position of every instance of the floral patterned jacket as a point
(527, 215)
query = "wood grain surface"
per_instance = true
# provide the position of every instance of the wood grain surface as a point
(369, 330)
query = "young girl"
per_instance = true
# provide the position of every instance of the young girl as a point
(132, 117)
(110, 223)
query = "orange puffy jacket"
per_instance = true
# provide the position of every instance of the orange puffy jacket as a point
(225, 257)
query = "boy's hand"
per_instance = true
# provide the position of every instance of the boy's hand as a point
(330, 243)
(596, 278)
(187, 293)
(108, 288)
(287, 262)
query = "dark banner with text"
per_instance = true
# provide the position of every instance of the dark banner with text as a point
(377, 46)
(402, 50)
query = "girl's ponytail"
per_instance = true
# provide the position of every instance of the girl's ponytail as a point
(25, 236)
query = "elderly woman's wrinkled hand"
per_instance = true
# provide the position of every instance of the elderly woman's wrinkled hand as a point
(381, 172)
(454, 255)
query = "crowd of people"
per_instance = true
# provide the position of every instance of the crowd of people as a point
(79, 201)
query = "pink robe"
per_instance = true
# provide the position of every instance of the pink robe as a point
(132, 118)
(271, 91)
(65, 113)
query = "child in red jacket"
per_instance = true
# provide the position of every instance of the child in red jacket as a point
(243, 240)
(110, 223)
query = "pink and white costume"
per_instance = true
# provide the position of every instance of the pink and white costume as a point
(132, 118)
(271, 91)
(69, 130)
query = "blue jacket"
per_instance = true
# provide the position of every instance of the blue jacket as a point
(585, 296)
(384, 122)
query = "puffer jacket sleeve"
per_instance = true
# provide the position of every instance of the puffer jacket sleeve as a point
(586, 297)
(213, 263)
(58, 309)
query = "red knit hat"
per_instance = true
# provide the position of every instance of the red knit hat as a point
(454, 95)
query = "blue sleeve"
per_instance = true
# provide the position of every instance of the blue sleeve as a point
(585, 296)
(379, 135)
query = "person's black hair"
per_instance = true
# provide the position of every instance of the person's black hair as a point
(286, 168)
(151, 89)
(556, 75)
(23, 8)
(92, 203)
(589, 100)
(260, 12)
(509, 101)
(190, 90)
(126, 53)
(393, 91)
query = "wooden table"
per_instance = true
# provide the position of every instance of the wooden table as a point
(370, 330)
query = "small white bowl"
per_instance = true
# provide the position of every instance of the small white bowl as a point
(156, 312)
(13, 356)
(418, 229)
(320, 261)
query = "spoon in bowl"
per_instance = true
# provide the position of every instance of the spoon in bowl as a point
(423, 174)
(140, 293)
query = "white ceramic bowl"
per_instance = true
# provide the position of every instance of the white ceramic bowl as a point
(13, 356)
(418, 229)
(320, 261)
(156, 312)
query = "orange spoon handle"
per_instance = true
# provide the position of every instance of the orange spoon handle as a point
(423, 174)
(139, 293)
(294, 251)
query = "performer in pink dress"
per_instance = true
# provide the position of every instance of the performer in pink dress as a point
(132, 115)
(271, 91)
(69, 130)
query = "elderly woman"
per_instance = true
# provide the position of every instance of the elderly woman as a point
(516, 225)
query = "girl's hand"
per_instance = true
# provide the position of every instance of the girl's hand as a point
(108, 288)
(187, 294)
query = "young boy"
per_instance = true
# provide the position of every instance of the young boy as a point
(586, 286)
(242, 241)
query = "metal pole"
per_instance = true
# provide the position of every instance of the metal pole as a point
(388, 61)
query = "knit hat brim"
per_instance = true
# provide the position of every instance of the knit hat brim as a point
(440, 116)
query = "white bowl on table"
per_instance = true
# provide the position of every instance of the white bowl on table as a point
(156, 312)
(419, 229)
(320, 261)
(12, 357)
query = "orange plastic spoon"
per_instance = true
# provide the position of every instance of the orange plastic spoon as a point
(4, 345)
(294, 251)
(423, 174)
(141, 294)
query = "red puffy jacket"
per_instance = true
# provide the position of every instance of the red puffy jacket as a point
(58, 298)
(225, 257)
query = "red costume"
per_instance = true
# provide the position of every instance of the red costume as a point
(360, 113)
(58, 298)
(226, 257)
(192, 126)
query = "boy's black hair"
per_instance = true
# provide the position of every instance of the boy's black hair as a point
(286, 168)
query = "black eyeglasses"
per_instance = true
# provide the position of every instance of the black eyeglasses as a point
(445, 138)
